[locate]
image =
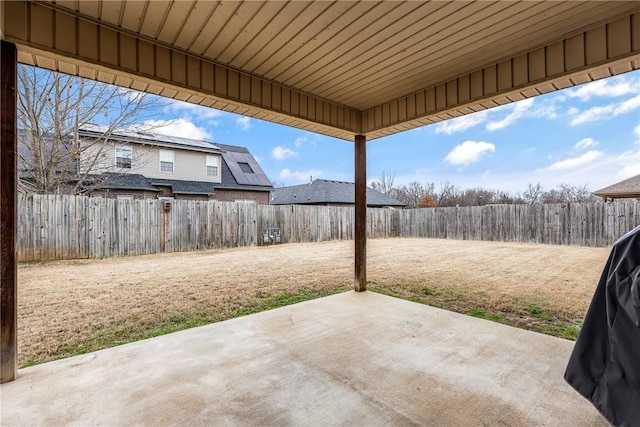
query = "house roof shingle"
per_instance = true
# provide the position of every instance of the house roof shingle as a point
(321, 191)
(130, 181)
(628, 188)
(134, 181)
(185, 187)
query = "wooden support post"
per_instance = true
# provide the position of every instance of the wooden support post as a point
(361, 213)
(8, 213)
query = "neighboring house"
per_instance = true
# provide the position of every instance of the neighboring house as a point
(626, 189)
(329, 193)
(144, 164)
(155, 165)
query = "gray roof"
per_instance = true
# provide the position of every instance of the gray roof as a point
(150, 138)
(323, 191)
(134, 181)
(627, 188)
(130, 181)
(185, 187)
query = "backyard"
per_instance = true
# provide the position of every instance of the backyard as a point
(72, 307)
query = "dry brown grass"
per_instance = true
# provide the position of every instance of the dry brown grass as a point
(69, 307)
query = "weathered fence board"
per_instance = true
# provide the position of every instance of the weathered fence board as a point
(66, 227)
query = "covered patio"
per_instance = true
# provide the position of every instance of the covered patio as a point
(357, 358)
(351, 70)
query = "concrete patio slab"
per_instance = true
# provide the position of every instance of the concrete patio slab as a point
(348, 359)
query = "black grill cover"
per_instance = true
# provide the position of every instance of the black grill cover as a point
(605, 364)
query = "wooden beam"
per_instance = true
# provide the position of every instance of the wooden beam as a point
(361, 213)
(8, 213)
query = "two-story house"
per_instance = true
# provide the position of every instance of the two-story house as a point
(144, 164)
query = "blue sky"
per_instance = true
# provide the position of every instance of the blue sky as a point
(589, 134)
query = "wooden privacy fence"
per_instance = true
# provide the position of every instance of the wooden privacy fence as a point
(66, 227)
(581, 224)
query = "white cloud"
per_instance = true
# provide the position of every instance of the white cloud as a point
(198, 111)
(605, 170)
(469, 152)
(510, 113)
(606, 112)
(280, 153)
(546, 110)
(629, 171)
(636, 131)
(462, 123)
(518, 109)
(299, 141)
(585, 143)
(298, 177)
(178, 127)
(244, 123)
(575, 162)
(609, 88)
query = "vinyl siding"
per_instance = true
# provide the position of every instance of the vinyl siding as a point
(188, 165)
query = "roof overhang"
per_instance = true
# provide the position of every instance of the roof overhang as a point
(336, 68)
(626, 189)
(613, 196)
(145, 138)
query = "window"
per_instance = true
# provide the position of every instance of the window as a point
(166, 161)
(245, 167)
(212, 166)
(123, 157)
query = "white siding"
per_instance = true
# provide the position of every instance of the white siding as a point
(97, 157)
(188, 165)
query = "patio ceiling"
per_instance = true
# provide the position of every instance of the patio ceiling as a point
(338, 68)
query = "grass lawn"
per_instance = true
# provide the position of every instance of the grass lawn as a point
(72, 307)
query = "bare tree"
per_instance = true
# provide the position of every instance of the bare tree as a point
(384, 184)
(450, 195)
(412, 193)
(533, 193)
(577, 193)
(52, 108)
(567, 193)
